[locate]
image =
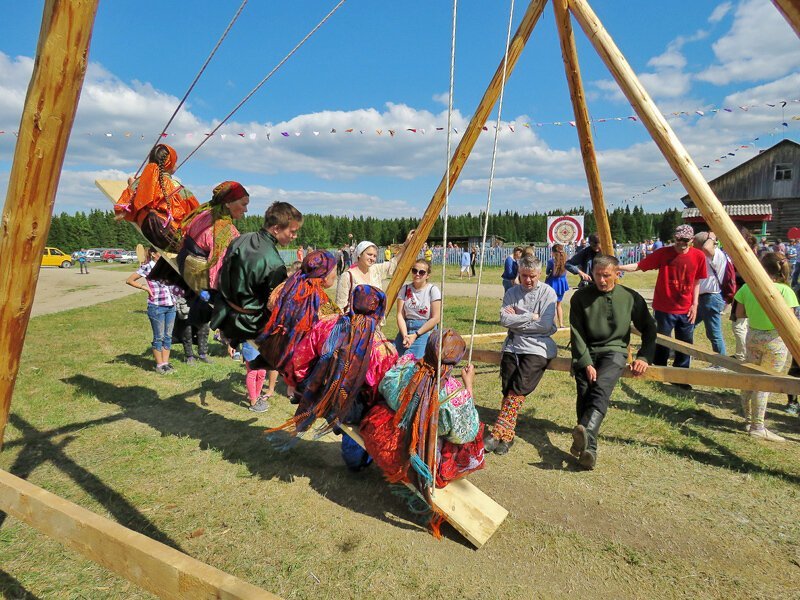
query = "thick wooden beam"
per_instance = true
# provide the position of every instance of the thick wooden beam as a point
(790, 9)
(471, 512)
(50, 105)
(569, 53)
(692, 179)
(780, 384)
(149, 564)
(463, 150)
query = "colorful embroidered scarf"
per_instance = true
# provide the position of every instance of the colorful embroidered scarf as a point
(148, 191)
(297, 306)
(418, 412)
(333, 385)
(222, 225)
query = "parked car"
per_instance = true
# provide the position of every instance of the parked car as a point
(93, 254)
(111, 254)
(53, 257)
(127, 257)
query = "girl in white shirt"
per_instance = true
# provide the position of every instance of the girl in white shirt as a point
(419, 306)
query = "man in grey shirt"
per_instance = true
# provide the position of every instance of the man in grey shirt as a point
(528, 312)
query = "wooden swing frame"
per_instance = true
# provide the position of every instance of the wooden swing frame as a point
(46, 123)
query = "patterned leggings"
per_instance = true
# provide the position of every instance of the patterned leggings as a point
(506, 423)
(764, 348)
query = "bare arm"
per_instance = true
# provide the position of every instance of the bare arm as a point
(401, 320)
(133, 281)
(631, 268)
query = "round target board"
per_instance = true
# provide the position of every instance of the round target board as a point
(565, 230)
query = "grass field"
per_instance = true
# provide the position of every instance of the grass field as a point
(682, 505)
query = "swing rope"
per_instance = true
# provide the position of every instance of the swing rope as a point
(491, 184)
(263, 81)
(447, 190)
(191, 87)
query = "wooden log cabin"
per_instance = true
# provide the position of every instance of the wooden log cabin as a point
(762, 194)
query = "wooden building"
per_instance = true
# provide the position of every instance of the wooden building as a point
(762, 194)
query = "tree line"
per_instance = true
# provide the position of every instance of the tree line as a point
(98, 229)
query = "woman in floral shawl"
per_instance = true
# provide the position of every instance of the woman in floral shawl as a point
(208, 232)
(299, 303)
(420, 436)
(334, 361)
(156, 201)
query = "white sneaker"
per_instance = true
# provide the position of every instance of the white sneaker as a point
(766, 434)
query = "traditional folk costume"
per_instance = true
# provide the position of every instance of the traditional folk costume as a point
(251, 269)
(207, 233)
(600, 324)
(158, 203)
(334, 362)
(527, 350)
(299, 302)
(418, 433)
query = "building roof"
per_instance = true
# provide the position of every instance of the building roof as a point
(734, 210)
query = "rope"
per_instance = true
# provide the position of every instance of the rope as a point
(491, 183)
(446, 212)
(191, 87)
(447, 191)
(263, 81)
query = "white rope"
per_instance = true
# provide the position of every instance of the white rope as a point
(263, 81)
(491, 183)
(191, 87)
(446, 194)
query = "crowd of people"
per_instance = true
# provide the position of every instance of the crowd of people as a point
(340, 368)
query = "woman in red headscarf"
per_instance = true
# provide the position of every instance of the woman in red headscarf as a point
(208, 232)
(156, 201)
(298, 304)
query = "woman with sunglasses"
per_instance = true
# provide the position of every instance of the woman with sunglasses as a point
(419, 308)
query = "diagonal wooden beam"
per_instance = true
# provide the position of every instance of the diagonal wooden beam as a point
(569, 53)
(50, 105)
(790, 9)
(463, 150)
(690, 176)
(151, 565)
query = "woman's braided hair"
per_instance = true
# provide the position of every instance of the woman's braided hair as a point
(159, 156)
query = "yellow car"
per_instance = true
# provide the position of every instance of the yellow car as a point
(53, 257)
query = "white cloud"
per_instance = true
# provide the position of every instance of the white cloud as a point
(719, 12)
(759, 46)
(443, 98)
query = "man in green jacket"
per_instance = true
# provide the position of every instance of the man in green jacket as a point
(600, 320)
(252, 268)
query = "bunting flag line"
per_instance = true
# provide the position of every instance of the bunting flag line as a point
(510, 127)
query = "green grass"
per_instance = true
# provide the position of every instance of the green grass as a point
(682, 505)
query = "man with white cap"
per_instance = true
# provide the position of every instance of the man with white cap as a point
(677, 293)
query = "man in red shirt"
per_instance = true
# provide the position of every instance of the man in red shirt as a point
(680, 269)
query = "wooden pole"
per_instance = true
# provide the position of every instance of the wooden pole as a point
(572, 69)
(153, 566)
(710, 207)
(790, 9)
(779, 384)
(61, 61)
(463, 150)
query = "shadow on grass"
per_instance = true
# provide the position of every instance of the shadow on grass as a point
(12, 588)
(40, 449)
(142, 361)
(244, 442)
(537, 433)
(720, 456)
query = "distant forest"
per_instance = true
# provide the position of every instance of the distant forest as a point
(99, 230)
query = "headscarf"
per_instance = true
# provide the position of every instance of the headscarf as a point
(418, 411)
(363, 246)
(333, 385)
(297, 305)
(221, 222)
(149, 189)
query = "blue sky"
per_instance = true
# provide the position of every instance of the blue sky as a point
(379, 65)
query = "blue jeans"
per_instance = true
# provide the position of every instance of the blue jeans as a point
(684, 331)
(795, 273)
(418, 347)
(162, 320)
(709, 311)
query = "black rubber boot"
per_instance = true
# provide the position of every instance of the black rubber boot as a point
(588, 457)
